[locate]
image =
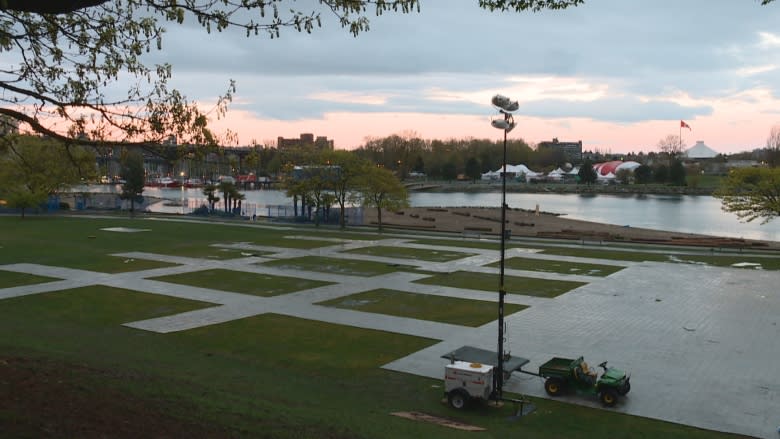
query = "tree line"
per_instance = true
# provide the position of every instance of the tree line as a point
(32, 168)
(319, 179)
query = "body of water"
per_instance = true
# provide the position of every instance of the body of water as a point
(681, 213)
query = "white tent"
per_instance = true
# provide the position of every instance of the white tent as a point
(491, 175)
(556, 174)
(511, 169)
(519, 169)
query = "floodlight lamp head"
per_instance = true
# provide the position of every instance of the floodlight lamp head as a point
(501, 124)
(504, 104)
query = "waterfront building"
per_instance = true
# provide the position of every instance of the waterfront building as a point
(305, 140)
(572, 150)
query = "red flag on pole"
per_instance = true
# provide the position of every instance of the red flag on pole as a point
(684, 125)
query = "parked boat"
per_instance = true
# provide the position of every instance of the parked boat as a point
(193, 182)
(164, 182)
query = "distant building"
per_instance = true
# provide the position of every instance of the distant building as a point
(700, 151)
(572, 150)
(305, 140)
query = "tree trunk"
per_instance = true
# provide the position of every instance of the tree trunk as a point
(379, 216)
(342, 220)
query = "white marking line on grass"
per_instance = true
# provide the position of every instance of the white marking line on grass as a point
(125, 230)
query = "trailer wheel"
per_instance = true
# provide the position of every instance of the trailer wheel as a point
(608, 397)
(553, 386)
(458, 399)
(624, 390)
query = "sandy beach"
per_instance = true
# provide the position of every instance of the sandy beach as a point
(478, 221)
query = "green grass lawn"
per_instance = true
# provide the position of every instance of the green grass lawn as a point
(290, 242)
(58, 236)
(709, 181)
(766, 262)
(263, 376)
(659, 254)
(256, 284)
(563, 267)
(338, 234)
(601, 253)
(492, 244)
(424, 307)
(337, 266)
(86, 319)
(10, 279)
(514, 284)
(208, 252)
(121, 264)
(753, 262)
(270, 375)
(411, 253)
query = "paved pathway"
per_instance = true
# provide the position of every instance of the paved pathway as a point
(702, 343)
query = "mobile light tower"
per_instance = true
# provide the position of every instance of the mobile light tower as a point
(506, 123)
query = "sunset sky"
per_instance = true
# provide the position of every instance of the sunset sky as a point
(617, 74)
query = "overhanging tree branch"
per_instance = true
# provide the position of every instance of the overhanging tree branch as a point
(66, 53)
(48, 6)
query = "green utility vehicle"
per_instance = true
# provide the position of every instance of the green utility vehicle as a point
(564, 374)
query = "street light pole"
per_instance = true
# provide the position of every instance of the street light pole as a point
(505, 106)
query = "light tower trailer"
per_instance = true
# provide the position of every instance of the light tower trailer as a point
(464, 380)
(469, 376)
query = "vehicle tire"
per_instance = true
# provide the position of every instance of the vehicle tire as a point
(553, 386)
(608, 397)
(624, 390)
(458, 399)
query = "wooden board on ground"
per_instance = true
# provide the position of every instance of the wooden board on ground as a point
(418, 416)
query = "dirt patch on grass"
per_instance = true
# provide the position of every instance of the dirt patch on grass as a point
(43, 398)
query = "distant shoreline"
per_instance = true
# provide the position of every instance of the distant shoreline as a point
(485, 221)
(554, 188)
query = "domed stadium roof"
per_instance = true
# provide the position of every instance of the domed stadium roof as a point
(607, 167)
(700, 151)
(630, 165)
